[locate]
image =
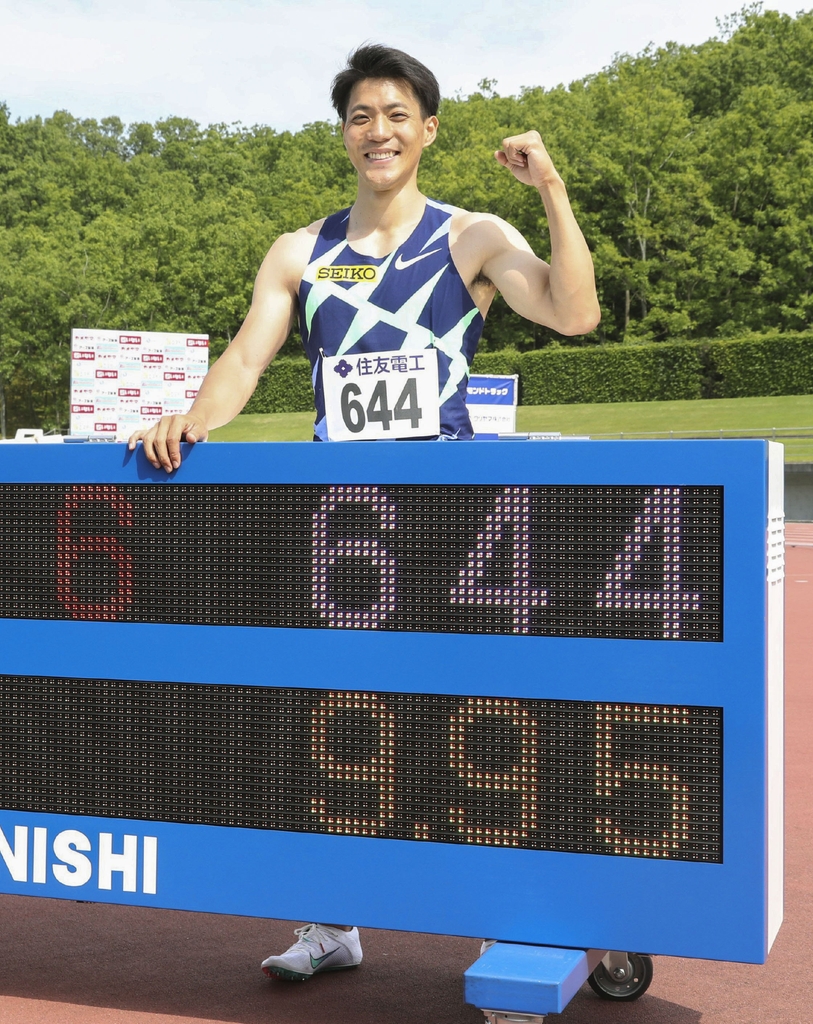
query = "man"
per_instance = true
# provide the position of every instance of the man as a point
(414, 278)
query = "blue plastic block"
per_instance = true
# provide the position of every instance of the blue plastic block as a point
(526, 979)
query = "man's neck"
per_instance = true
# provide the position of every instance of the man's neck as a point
(381, 221)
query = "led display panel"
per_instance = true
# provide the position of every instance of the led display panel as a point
(635, 562)
(527, 690)
(576, 776)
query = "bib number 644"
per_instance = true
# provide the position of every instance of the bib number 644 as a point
(387, 395)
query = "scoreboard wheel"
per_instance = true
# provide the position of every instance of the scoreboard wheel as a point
(606, 986)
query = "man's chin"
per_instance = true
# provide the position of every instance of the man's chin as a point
(387, 174)
(381, 182)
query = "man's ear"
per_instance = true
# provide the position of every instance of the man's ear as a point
(430, 131)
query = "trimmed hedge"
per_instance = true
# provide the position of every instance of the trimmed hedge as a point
(284, 387)
(612, 373)
(777, 364)
(506, 361)
(774, 364)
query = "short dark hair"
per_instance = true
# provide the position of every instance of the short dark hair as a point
(375, 61)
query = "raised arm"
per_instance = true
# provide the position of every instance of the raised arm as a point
(562, 294)
(231, 381)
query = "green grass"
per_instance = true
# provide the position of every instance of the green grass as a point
(704, 416)
(627, 418)
(271, 426)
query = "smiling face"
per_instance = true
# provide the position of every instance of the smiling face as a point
(385, 132)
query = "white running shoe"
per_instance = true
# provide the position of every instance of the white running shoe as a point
(318, 948)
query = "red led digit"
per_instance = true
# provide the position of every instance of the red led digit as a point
(71, 548)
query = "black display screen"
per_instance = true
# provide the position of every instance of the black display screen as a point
(640, 780)
(589, 561)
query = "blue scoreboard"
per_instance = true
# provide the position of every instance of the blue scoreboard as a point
(524, 690)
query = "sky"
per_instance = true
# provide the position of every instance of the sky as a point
(271, 61)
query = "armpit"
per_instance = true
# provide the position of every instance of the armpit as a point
(481, 281)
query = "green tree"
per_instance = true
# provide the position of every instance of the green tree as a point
(689, 169)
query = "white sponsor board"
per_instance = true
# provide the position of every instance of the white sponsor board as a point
(122, 380)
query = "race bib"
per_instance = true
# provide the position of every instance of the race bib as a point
(381, 395)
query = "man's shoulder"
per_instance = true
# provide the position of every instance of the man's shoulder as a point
(472, 218)
(292, 250)
(483, 231)
(301, 237)
(476, 238)
(300, 242)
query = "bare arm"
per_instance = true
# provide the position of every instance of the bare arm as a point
(231, 381)
(562, 294)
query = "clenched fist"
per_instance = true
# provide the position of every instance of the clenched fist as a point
(527, 159)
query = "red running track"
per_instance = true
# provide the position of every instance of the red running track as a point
(82, 963)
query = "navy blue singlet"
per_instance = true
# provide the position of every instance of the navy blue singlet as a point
(412, 299)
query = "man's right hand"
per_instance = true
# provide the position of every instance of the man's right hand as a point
(162, 442)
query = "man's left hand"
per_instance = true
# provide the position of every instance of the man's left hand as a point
(527, 159)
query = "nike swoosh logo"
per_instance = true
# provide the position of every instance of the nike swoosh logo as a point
(316, 961)
(402, 264)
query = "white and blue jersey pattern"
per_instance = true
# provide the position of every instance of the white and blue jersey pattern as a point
(411, 300)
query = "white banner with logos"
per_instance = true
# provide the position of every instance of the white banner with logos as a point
(122, 380)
